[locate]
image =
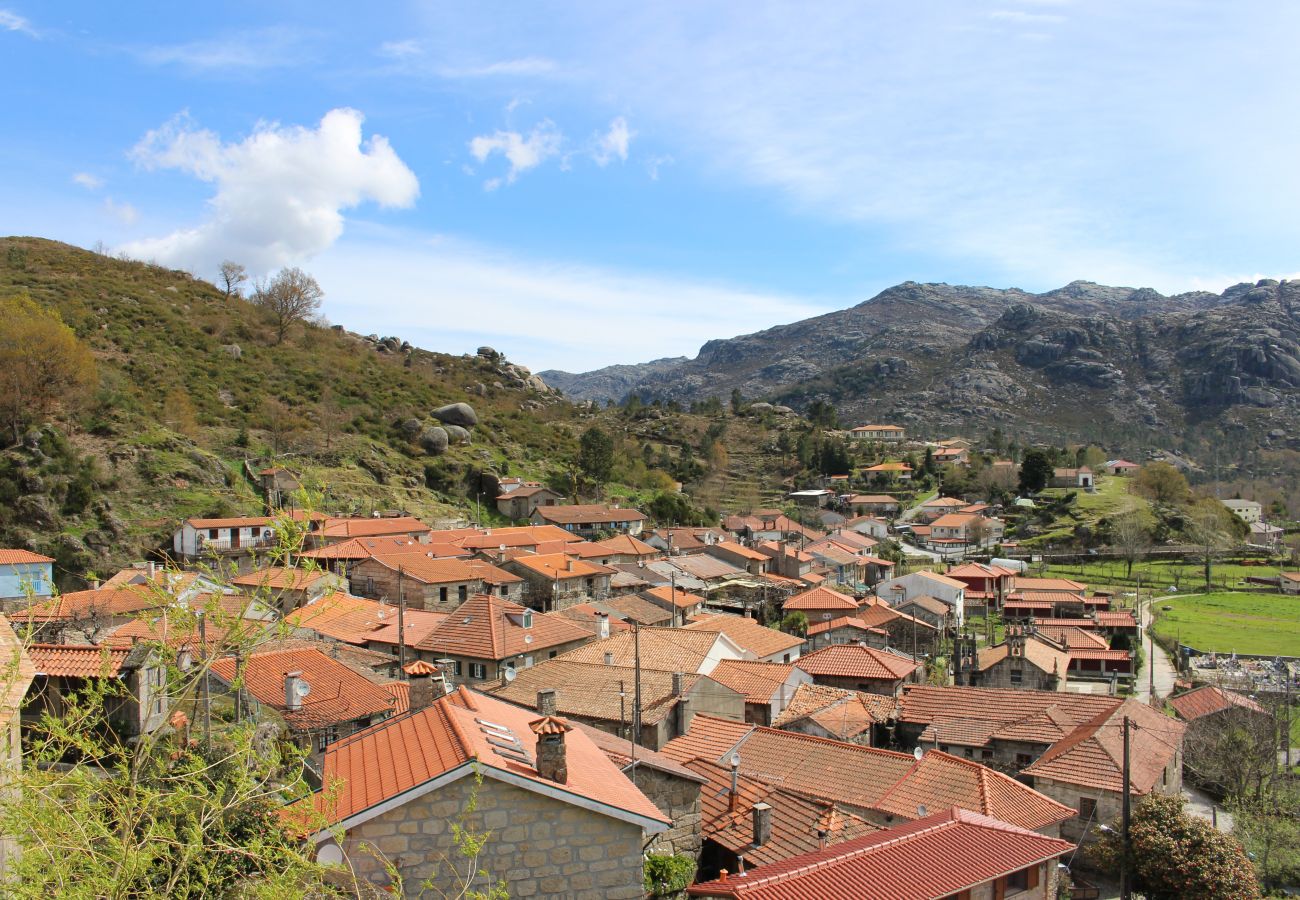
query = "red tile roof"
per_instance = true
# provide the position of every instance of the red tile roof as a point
(856, 661)
(1210, 699)
(491, 627)
(820, 598)
(470, 732)
(338, 693)
(77, 660)
(941, 854)
(16, 557)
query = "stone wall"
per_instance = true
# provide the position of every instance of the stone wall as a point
(540, 847)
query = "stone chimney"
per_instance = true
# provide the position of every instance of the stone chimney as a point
(684, 712)
(423, 681)
(546, 702)
(762, 823)
(602, 625)
(552, 762)
(292, 698)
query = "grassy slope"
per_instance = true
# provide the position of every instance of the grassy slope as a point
(1228, 622)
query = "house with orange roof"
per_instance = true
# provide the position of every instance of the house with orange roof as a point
(319, 699)
(860, 668)
(522, 501)
(837, 714)
(587, 520)
(914, 861)
(63, 669)
(24, 575)
(390, 791)
(821, 604)
(488, 638)
(553, 581)
(885, 434)
(767, 687)
(434, 583)
(950, 591)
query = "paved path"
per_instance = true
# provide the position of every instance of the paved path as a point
(1156, 659)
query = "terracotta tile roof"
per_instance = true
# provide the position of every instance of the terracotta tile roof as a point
(1091, 756)
(282, 578)
(1210, 699)
(758, 639)
(795, 820)
(843, 714)
(679, 599)
(356, 620)
(77, 660)
(638, 610)
(351, 527)
(491, 627)
(663, 649)
(17, 557)
(101, 603)
(395, 756)
(758, 681)
(821, 598)
(1040, 654)
(942, 854)
(338, 693)
(591, 513)
(969, 785)
(559, 566)
(856, 661)
(590, 690)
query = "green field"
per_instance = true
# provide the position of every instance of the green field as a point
(1227, 622)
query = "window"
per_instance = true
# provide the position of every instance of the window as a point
(477, 671)
(442, 595)
(1087, 808)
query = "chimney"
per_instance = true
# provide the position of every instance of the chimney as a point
(421, 676)
(292, 695)
(762, 823)
(602, 625)
(546, 702)
(684, 712)
(552, 763)
(609, 658)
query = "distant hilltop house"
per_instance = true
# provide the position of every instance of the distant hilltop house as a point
(1248, 511)
(886, 434)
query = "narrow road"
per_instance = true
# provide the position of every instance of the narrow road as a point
(1157, 661)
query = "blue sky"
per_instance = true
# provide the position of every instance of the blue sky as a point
(579, 184)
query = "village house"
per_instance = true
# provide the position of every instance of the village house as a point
(591, 519)
(950, 591)
(913, 861)
(134, 705)
(767, 644)
(1081, 477)
(522, 500)
(858, 668)
(538, 783)
(837, 714)
(884, 434)
(320, 699)
(24, 576)
(767, 687)
(602, 695)
(434, 584)
(553, 581)
(488, 638)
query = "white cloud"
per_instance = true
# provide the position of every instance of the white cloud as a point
(543, 314)
(614, 142)
(400, 49)
(123, 212)
(523, 153)
(280, 192)
(11, 21)
(235, 53)
(88, 181)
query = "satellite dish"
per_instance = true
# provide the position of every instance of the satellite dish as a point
(301, 688)
(510, 674)
(918, 753)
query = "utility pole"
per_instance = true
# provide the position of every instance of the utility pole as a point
(401, 624)
(1126, 861)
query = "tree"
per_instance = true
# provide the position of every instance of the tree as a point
(596, 454)
(1035, 471)
(1176, 856)
(1162, 484)
(1130, 537)
(290, 297)
(233, 276)
(43, 366)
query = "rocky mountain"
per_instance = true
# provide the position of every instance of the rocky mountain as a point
(1082, 361)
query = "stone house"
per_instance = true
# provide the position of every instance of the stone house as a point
(565, 821)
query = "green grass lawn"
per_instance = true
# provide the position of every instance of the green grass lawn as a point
(1227, 622)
